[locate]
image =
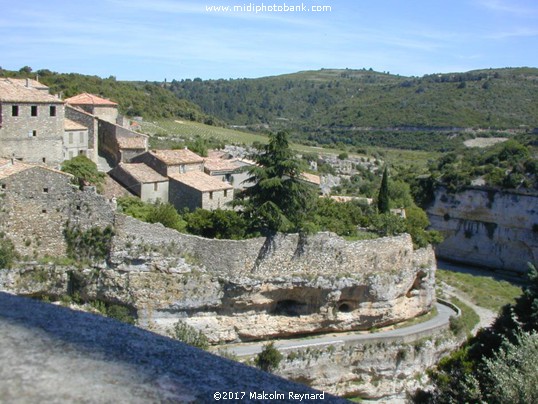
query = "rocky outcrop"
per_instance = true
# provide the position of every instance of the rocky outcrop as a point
(250, 289)
(380, 372)
(487, 227)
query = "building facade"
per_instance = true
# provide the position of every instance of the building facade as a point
(31, 123)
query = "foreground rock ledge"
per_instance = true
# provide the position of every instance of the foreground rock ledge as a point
(53, 354)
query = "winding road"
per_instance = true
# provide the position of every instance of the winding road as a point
(415, 330)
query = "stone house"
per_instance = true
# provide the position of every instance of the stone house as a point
(102, 108)
(31, 123)
(167, 162)
(37, 203)
(75, 139)
(142, 181)
(195, 189)
(86, 119)
(110, 132)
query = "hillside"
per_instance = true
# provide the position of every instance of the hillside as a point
(363, 107)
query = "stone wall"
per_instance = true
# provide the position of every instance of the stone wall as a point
(38, 202)
(487, 227)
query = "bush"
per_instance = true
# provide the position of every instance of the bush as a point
(85, 172)
(7, 253)
(269, 358)
(189, 335)
(167, 215)
(120, 313)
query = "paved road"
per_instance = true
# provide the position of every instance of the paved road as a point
(441, 319)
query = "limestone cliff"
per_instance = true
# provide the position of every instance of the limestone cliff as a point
(250, 289)
(487, 227)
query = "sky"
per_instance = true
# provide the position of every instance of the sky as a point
(156, 40)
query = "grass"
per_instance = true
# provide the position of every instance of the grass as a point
(468, 320)
(183, 129)
(484, 291)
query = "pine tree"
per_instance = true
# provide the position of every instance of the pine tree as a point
(279, 200)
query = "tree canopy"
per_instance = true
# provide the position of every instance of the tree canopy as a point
(279, 199)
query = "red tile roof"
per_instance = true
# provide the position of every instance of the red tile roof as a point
(89, 99)
(11, 91)
(141, 172)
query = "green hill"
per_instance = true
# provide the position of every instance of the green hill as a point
(363, 107)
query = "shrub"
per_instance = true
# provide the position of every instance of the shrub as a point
(189, 335)
(269, 358)
(7, 253)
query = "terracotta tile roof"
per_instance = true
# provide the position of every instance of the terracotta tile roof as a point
(10, 168)
(13, 92)
(176, 157)
(72, 125)
(132, 142)
(89, 99)
(141, 172)
(30, 83)
(311, 178)
(201, 181)
(220, 165)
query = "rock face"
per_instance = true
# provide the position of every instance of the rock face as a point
(487, 227)
(380, 372)
(251, 289)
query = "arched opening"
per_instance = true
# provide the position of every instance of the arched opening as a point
(290, 307)
(344, 308)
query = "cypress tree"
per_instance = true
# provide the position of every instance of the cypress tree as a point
(383, 197)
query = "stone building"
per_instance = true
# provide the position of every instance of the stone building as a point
(37, 203)
(86, 119)
(195, 189)
(75, 139)
(31, 123)
(167, 162)
(119, 144)
(142, 181)
(102, 108)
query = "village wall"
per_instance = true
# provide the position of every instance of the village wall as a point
(36, 205)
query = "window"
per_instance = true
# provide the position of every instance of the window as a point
(14, 110)
(225, 193)
(70, 137)
(34, 133)
(81, 137)
(46, 190)
(33, 110)
(3, 186)
(156, 186)
(43, 210)
(52, 110)
(211, 195)
(44, 159)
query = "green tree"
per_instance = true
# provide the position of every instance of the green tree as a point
(167, 215)
(511, 375)
(269, 358)
(85, 172)
(279, 200)
(383, 196)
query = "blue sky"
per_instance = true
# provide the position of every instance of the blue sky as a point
(158, 39)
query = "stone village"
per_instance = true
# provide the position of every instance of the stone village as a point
(232, 291)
